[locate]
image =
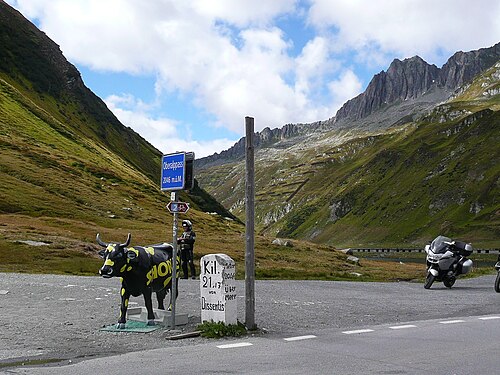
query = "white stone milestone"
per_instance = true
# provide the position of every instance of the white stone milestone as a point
(218, 289)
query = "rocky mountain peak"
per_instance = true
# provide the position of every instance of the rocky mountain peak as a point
(407, 79)
(462, 67)
(413, 78)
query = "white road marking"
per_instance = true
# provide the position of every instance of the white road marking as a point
(358, 331)
(452, 321)
(404, 327)
(297, 338)
(489, 317)
(237, 345)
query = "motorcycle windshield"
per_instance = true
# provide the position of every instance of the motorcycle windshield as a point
(439, 246)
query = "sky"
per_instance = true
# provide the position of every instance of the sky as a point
(184, 74)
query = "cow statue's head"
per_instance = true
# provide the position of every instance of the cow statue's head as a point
(115, 257)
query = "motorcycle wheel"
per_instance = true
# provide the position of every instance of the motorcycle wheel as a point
(449, 282)
(497, 283)
(429, 280)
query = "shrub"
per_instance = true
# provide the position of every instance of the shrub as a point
(220, 329)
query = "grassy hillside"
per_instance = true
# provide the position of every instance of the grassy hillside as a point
(69, 168)
(438, 175)
(61, 188)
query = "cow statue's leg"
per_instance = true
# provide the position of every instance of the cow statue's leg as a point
(160, 296)
(148, 301)
(123, 308)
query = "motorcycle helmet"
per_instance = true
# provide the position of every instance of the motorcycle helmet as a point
(187, 224)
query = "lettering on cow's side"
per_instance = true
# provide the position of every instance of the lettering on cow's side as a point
(160, 270)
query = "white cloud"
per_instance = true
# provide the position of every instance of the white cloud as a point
(200, 148)
(133, 113)
(166, 135)
(432, 29)
(312, 64)
(229, 75)
(345, 88)
(242, 13)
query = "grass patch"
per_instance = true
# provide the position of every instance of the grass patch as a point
(30, 362)
(72, 249)
(18, 257)
(217, 330)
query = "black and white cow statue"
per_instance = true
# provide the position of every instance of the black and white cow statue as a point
(143, 270)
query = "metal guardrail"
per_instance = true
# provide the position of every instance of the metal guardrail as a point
(413, 250)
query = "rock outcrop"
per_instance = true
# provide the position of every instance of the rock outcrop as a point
(412, 78)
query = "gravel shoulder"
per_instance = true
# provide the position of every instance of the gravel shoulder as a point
(58, 318)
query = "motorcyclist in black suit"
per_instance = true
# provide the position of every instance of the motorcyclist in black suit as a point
(186, 242)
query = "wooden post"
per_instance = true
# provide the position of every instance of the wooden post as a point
(249, 227)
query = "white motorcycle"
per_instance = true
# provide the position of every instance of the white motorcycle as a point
(446, 259)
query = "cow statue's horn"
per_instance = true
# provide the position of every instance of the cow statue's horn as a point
(126, 242)
(100, 242)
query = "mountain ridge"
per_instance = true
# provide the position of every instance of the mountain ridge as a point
(407, 80)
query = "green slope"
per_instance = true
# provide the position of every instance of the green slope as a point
(48, 169)
(34, 68)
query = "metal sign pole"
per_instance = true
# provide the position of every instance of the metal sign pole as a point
(173, 198)
(176, 174)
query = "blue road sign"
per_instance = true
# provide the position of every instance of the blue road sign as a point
(172, 171)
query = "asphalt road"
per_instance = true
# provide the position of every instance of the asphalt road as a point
(443, 347)
(57, 318)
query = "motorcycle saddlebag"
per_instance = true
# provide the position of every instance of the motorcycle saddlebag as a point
(464, 266)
